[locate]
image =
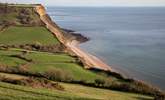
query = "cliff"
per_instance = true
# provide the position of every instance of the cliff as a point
(88, 60)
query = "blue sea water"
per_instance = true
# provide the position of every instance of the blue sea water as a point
(131, 40)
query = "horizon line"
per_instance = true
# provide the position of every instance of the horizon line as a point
(48, 5)
(100, 6)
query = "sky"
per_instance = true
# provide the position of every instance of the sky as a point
(92, 2)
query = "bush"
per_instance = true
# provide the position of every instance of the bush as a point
(41, 82)
(99, 82)
(56, 48)
(58, 75)
(33, 82)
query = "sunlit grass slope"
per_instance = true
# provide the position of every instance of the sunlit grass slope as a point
(27, 35)
(42, 62)
(71, 92)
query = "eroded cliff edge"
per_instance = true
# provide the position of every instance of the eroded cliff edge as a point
(88, 60)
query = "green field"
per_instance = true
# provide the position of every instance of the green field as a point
(43, 62)
(102, 94)
(15, 92)
(27, 35)
(71, 92)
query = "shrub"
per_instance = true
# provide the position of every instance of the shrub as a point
(58, 75)
(39, 47)
(41, 82)
(33, 82)
(99, 82)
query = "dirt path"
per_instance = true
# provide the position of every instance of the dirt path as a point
(89, 60)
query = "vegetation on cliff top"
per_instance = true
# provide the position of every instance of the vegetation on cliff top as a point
(19, 15)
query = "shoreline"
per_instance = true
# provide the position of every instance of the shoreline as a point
(89, 61)
(77, 36)
(72, 46)
(82, 66)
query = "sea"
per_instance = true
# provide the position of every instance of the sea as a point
(129, 39)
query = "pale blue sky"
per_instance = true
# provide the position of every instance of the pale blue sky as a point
(92, 2)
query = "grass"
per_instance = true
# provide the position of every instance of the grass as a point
(74, 70)
(10, 16)
(71, 92)
(43, 62)
(102, 94)
(15, 92)
(27, 35)
(50, 58)
(10, 61)
(13, 76)
(21, 5)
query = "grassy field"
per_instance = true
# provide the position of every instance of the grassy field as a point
(10, 61)
(102, 93)
(27, 35)
(15, 92)
(43, 62)
(71, 92)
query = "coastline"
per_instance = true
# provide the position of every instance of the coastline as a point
(89, 61)
(72, 45)
(75, 65)
(76, 36)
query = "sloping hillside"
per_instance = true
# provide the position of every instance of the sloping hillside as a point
(35, 65)
(71, 92)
